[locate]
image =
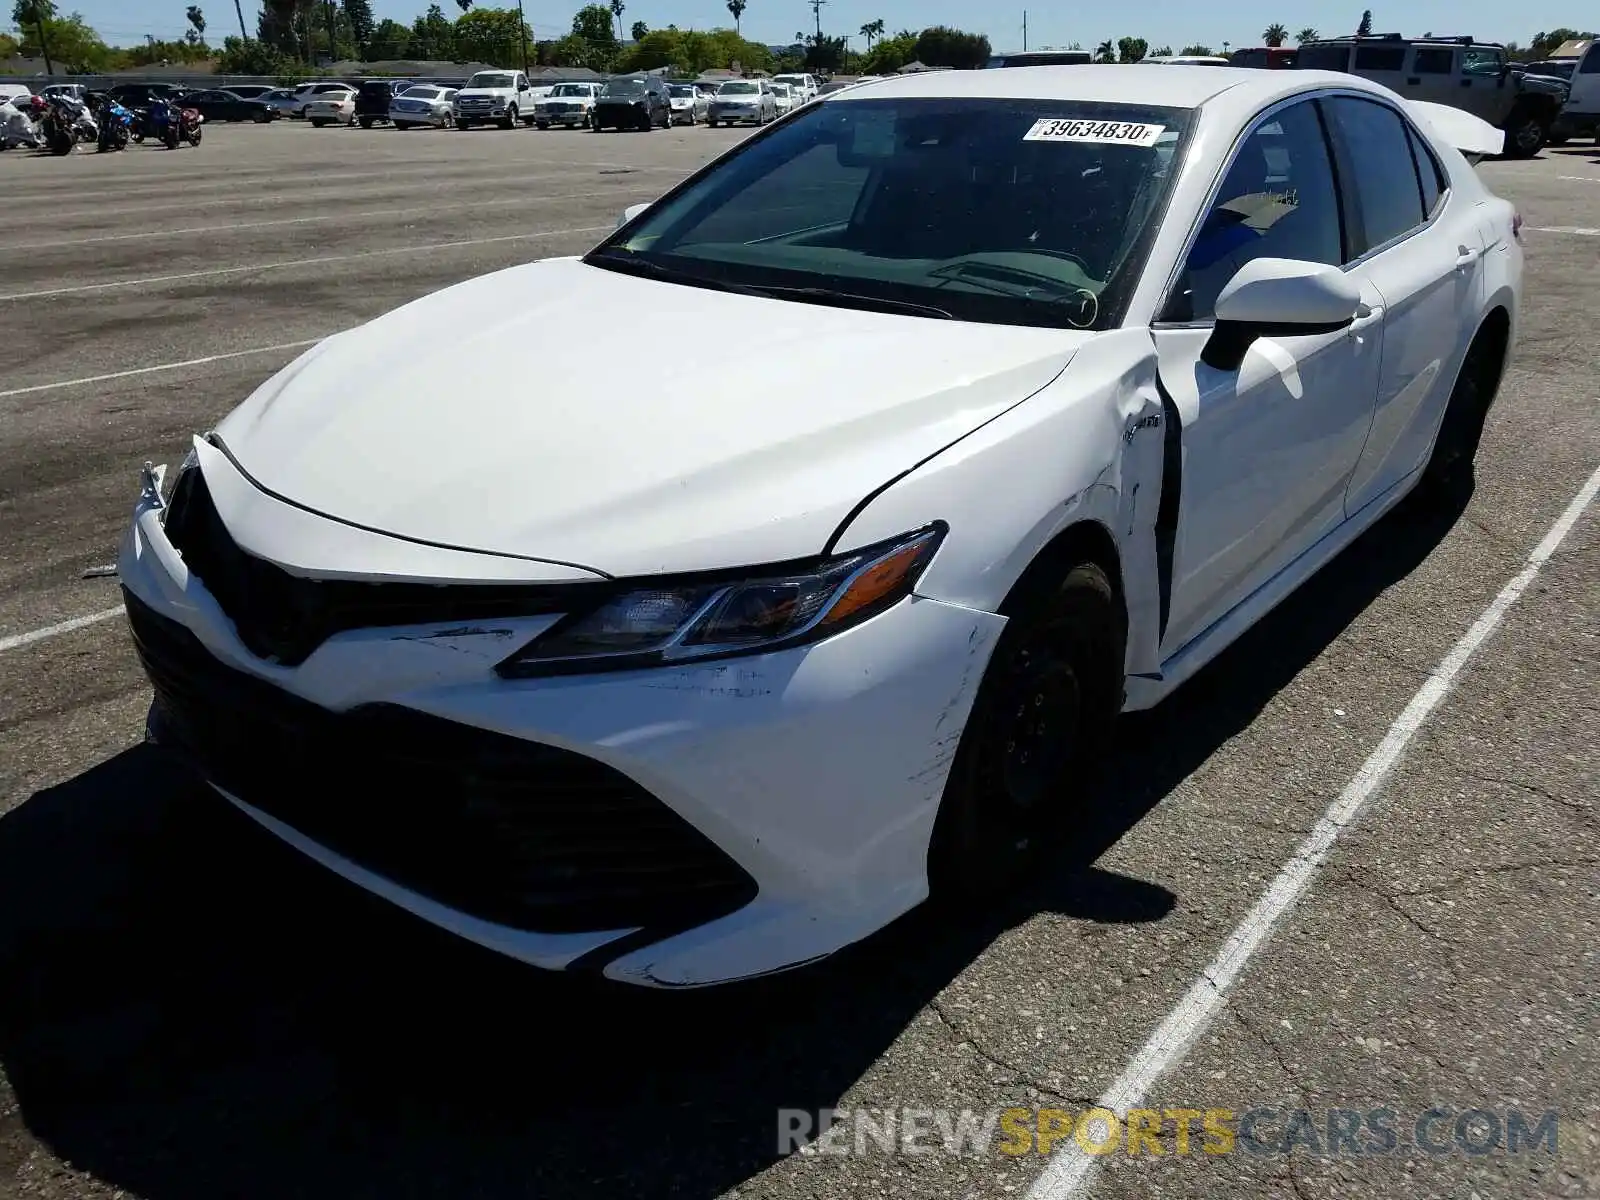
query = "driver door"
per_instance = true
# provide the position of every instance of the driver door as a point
(1268, 448)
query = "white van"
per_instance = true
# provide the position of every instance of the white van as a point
(1581, 115)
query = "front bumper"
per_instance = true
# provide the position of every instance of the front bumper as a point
(620, 115)
(569, 120)
(735, 116)
(814, 774)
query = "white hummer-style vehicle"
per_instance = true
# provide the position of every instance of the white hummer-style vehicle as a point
(498, 97)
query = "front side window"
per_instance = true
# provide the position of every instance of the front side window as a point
(1024, 211)
(1482, 61)
(1277, 201)
(1385, 176)
(1434, 60)
(1380, 58)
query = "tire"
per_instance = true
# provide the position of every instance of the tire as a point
(509, 121)
(262, 118)
(1455, 446)
(711, 123)
(1526, 134)
(541, 124)
(1051, 693)
(365, 122)
(463, 125)
(318, 123)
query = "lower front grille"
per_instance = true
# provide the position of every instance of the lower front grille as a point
(509, 831)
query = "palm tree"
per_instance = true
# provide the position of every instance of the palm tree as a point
(1106, 51)
(1275, 34)
(736, 7)
(1308, 34)
(617, 9)
(872, 30)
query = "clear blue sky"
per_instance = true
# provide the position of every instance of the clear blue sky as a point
(1049, 23)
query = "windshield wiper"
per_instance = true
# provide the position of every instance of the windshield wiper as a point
(803, 295)
(819, 295)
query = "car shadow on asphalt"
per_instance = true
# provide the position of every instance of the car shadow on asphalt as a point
(191, 1009)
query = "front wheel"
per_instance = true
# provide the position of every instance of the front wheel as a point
(1526, 134)
(510, 120)
(366, 122)
(463, 124)
(1042, 718)
(317, 122)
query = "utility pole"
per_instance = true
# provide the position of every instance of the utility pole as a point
(44, 42)
(243, 32)
(522, 36)
(1024, 29)
(816, 9)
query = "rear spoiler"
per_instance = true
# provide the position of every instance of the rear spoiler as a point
(1474, 137)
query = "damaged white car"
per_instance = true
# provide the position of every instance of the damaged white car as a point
(1071, 377)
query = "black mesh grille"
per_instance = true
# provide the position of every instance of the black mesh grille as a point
(284, 617)
(515, 832)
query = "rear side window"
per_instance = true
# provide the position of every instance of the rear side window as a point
(1434, 60)
(1380, 58)
(1429, 173)
(1323, 58)
(1385, 179)
(1591, 62)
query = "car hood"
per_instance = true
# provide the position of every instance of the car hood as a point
(484, 93)
(558, 411)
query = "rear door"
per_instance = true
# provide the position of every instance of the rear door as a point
(1422, 250)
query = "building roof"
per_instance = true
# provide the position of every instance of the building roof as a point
(1572, 49)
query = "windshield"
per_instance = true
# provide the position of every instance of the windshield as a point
(683, 91)
(624, 87)
(795, 79)
(739, 89)
(492, 79)
(569, 89)
(420, 93)
(1025, 212)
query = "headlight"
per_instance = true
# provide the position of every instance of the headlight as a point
(696, 619)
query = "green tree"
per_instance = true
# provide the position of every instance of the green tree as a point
(9, 46)
(638, 31)
(593, 24)
(1275, 34)
(432, 35)
(1131, 49)
(33, 19)
(1308, 34)
(1365, 28)
(889, 54)
(1106, 52)
(872, 31)
(736, 10)
(358, 15)
(1544, 44)
(491, 35)
(197, 26)
(71, 42)
(941, 46)
(240, 57)
(1198, 49)
(617, 9)
(390, 40)
(1161, 52)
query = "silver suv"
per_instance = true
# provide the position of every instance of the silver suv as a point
(1459, 71)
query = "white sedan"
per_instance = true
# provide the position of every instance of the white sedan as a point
(423, 104)
(1097, 367)
(331, 108)
(785, 99)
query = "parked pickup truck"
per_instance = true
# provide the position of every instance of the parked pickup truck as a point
(495, 97)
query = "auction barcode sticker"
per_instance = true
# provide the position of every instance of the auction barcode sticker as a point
(1118, 133)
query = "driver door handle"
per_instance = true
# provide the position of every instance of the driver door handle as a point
(1467, 255)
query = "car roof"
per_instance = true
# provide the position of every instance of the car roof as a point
(1175, 85)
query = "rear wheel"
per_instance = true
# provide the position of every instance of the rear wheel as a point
(1455, 446)
(463, 124)
(1041, 720)
(317, 122)
(366, 122)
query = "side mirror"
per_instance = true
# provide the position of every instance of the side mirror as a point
(629, 213)
(1278, 296)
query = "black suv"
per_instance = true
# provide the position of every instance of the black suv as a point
(633, 102)
(373, 96)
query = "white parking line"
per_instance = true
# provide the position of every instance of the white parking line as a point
(1205, 999)
(407, 210)
(215, 272)
(1577, 230)
(1580, 178)
(18, 640)
(172, 366)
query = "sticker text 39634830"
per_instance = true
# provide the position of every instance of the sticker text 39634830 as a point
(1117, 133)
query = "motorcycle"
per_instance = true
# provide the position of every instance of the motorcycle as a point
(66, 123)
(160, 121)
(189, 122)
(17, 128)
(116, 122)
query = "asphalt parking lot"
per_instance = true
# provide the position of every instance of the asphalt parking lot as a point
(188, 1009)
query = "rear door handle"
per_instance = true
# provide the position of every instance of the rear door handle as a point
(1466, 256)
